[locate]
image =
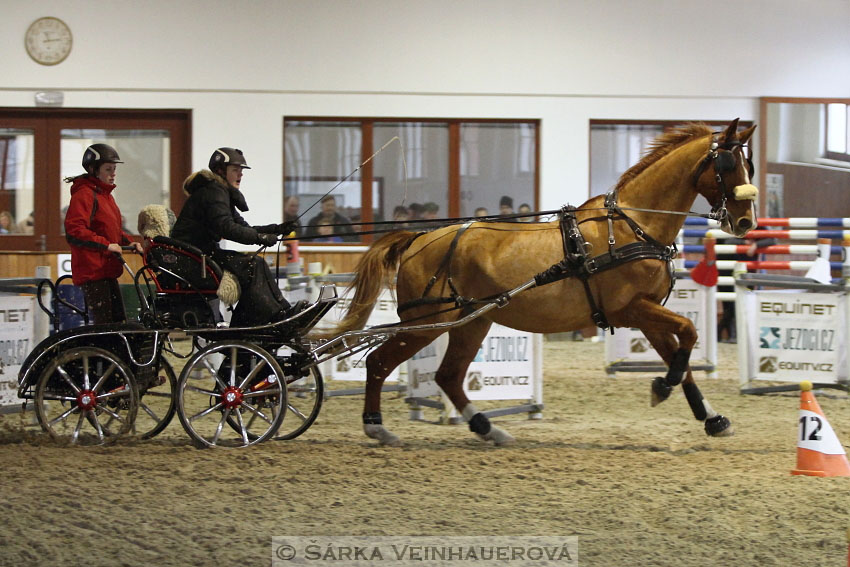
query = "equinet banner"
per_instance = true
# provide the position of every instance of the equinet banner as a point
(797, 336)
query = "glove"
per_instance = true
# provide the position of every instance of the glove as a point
(266, 239)
(286, 228)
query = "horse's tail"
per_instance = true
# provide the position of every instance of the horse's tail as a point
(373, 274)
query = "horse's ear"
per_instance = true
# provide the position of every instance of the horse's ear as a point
(731, 131)
(745, 135)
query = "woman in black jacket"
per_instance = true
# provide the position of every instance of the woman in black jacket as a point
(212, 213)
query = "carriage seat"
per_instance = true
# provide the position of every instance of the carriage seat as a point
(197, 272)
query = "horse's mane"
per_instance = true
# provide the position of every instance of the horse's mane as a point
(663, 145)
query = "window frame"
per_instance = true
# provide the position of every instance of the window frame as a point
(454, 147)
(47, 125)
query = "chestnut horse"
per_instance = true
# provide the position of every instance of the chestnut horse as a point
(438, 272)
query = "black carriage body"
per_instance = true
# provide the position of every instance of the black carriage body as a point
(135, 345)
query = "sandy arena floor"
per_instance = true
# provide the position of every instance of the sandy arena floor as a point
(637, 485)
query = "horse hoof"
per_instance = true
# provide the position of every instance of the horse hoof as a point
(384, 436)
(719, 426)
(660, 391)
(499, 437)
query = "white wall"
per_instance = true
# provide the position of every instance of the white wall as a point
(242, 66)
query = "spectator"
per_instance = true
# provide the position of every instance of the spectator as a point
(26, 226)
(327, 232)
(525, 209)
(481, 212)
(330, 216)
(7, 223)
(430, 210)
(506, 206)
(416, 211)
(401, 214)
(291, 205)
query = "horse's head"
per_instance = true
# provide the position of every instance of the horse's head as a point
(724, 177)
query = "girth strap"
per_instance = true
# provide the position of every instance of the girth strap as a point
(445, 266)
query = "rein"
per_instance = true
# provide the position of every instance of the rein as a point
(577, 261)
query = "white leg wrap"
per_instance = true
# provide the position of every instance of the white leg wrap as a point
(382, 434)
(709, 411)
(497, 436)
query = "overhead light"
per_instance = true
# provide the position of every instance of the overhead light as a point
(49, 98)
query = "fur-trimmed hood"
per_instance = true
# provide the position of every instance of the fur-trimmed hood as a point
(205, 177)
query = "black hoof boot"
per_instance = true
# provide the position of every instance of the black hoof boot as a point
(718, 426)
(660, 390)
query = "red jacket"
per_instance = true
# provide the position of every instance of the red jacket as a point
(92, 223)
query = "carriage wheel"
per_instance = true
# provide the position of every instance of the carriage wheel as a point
(245, 389)
(158, 403)
(87, 396)
(304, 396)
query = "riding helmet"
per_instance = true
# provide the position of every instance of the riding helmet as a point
(98, 154)
(223, 157)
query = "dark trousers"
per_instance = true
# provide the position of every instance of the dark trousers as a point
(260, 300)
(104, 301)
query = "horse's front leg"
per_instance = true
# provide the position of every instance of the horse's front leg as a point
(716, 425)
(673, 338)
(379, 364)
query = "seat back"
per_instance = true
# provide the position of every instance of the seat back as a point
(178, 267)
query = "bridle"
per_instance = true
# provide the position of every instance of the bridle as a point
(722, 156)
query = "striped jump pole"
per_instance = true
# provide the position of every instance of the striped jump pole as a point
(790, 222)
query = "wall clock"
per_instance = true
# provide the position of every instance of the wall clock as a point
(48, 41)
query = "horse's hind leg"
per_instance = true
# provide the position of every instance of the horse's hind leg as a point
(379, 364)
(464, 343)
(716, 425)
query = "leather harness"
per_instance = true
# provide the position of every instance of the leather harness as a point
(577, 261)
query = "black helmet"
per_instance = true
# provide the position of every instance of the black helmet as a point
(98, 154)
(223, 157)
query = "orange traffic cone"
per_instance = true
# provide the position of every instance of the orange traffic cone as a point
(819, 453)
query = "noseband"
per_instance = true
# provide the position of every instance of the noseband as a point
(723, 158)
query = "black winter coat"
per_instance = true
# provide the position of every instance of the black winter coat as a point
(211, 214)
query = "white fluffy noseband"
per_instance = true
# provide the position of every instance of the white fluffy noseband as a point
(746, 192)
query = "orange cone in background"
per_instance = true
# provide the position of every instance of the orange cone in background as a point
(819, 453)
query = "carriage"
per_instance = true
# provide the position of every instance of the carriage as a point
(97, 383)
(602, 263)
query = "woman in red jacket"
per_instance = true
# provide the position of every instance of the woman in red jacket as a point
(93, 229)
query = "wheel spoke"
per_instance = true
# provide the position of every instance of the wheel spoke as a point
(221, 423)
(257, 412)
(86, 382)
(273, 390)
(96, 423)
(149, 411)
(122, 392)
(202, 391)
(297, 412)
(242, 429)
(64, 374)
(103, 377)
(206, 412)
(76, 434)
(232, 380)
(62, 416)
(113, 414)
(251, 375)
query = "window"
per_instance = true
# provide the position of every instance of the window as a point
(40, 147)
(447, 167)
(837, 131)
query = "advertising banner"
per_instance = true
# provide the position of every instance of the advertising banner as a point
(688, 299)
(503, 368)
(16, 341)
(354, 367)
(796, 336)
